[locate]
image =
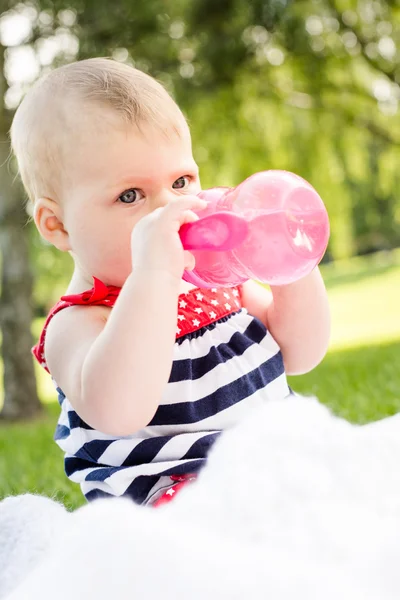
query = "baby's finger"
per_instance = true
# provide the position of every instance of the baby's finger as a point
(175, 207)
(188, 216)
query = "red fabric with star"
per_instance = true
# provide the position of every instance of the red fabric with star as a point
(182, 481)
(196, 308)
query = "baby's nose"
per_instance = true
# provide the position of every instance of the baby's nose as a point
(163, 198)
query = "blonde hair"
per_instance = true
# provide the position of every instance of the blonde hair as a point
(51, 111)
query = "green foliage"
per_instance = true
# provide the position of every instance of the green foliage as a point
(52, 271)
(310, 86)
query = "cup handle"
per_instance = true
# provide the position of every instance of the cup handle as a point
(220, 231)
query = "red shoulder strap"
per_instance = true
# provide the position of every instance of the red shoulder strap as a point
(99, 294)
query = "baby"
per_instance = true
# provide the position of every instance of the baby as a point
(149, 369)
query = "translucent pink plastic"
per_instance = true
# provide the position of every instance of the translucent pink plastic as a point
(273, 227)
(219, 231)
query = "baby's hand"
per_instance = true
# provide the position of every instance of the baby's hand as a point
(155, 241)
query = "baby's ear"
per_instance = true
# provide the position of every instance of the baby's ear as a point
(48, 217)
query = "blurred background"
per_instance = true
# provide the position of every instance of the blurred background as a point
(311, 86)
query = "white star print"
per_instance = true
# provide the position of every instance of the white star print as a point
(170, 492)
(227, 306)
(182, 304)
(213, 314)
(178, 330)
(196, 322)
(226, 295)
(214, 302)
(235, 292)
(214, 290)
(198, 310)
(199, 296)
(181, 317)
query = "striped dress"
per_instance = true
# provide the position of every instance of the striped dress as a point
(225, 363)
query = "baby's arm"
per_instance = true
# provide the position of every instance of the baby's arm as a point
(114, 371)
(298, 317)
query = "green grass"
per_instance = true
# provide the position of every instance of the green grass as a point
(360, 384)
(359, 378)
(30, 461)
(365, 310)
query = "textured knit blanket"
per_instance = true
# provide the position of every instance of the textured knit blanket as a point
(295, 503)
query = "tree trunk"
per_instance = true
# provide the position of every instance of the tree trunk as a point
(20, 395)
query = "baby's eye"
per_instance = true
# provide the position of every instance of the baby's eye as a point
(181, 183)
(130, 196)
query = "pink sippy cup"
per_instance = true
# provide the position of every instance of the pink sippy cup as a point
(273, 227)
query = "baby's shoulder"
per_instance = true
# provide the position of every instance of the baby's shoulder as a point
(75, 322)
(63, 320)
(69, 332)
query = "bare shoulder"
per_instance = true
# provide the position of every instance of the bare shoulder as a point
(69, 337)
(256, 299)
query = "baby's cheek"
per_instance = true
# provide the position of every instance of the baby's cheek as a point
(116, 261)
(104, 248)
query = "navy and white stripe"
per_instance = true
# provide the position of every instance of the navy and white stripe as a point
(219, 373)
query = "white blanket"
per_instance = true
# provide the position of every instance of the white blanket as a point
(294, 504)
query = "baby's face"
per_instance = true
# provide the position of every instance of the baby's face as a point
(115, 178)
